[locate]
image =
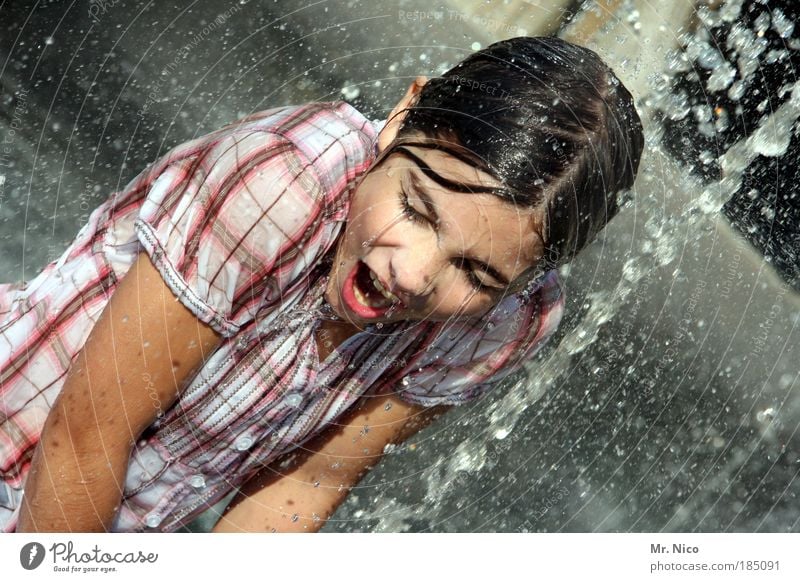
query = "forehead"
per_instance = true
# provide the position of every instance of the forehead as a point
(483, 221)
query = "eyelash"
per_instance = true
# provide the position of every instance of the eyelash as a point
(419, 218)
(409, 210)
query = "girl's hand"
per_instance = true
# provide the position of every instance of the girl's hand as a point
(130, 371)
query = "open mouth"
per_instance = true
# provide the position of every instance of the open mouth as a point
(365, 295)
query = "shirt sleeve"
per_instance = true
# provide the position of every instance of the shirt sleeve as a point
(232, 225)
(463, 362)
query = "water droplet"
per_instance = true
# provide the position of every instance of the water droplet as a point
(388, 406)
(153, 520)
(316, 483)
(767, 415)
(350, 91)
(295, 517)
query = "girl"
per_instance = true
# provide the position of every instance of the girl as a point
(268, 306)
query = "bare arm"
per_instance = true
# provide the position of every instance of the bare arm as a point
(132, 367)
(321, 472)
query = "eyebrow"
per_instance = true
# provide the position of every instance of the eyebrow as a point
(416, 185)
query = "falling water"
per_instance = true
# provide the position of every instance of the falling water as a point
(667, 399)
(455, 484)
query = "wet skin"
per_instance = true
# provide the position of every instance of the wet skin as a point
(443, 255)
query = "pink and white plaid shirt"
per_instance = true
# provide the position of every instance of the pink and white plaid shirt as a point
(241, 224)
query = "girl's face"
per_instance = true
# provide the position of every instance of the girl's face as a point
(414, 250)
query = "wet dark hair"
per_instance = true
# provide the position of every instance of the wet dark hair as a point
(546, 118)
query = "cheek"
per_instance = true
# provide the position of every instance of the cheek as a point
(370, 217)
(461, 299)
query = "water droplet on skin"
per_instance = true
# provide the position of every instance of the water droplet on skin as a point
(124, 319)
(388, 406)
(316, 483)
(295, 517)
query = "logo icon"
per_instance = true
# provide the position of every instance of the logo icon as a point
(31, 555)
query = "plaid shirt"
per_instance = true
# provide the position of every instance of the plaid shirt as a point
(241, 224)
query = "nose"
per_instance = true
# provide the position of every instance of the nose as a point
(412, 274)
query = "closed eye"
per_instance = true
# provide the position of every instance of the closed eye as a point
(470, 268)
(471, 272)
(411, 212)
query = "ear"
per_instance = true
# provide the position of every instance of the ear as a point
(396, 117)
